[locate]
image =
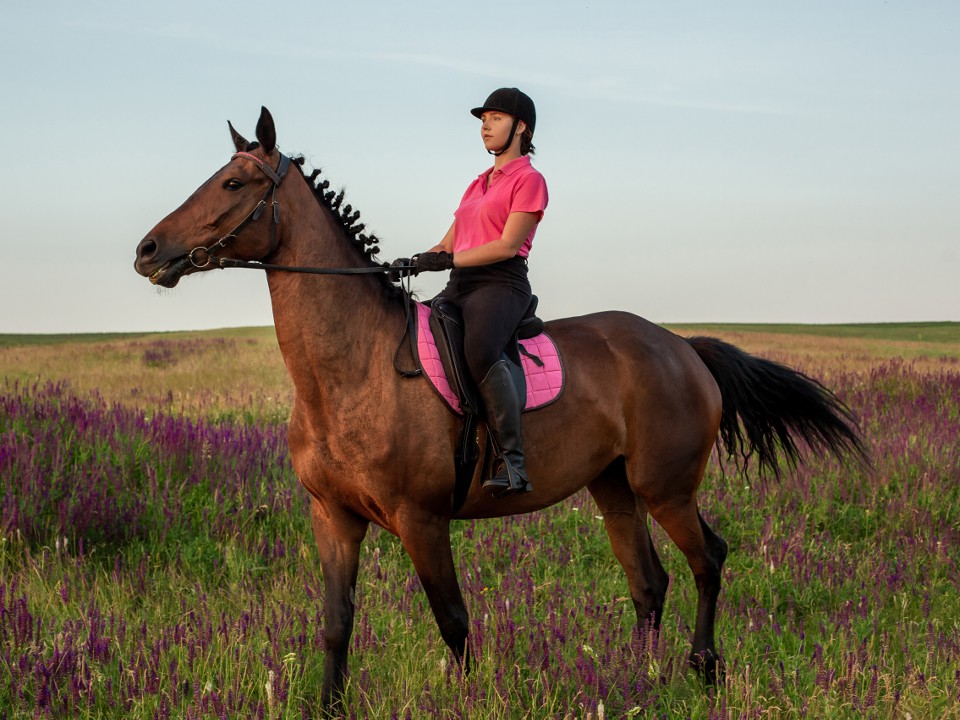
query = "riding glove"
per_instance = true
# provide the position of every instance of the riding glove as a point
(434, 261)
(396, 274)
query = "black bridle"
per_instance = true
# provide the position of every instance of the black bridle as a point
(200, 257)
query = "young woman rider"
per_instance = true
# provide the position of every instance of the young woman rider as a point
(486, 248)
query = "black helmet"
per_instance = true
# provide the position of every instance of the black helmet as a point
(513, 102)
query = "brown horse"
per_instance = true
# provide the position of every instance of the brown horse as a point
(640, 413)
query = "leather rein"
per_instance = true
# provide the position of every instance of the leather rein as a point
(201, 257)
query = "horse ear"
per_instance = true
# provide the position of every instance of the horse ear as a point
(239, 141)
(266, 132)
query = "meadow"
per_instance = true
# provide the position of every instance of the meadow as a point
(156, 559)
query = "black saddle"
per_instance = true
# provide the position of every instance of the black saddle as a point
(446, 324)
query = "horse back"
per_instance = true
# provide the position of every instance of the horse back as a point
(630, 367)
(621, 340)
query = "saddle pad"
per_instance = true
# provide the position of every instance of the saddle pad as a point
(543, 383)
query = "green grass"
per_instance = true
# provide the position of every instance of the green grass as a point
(841, 596)
(16, 340)
(932, 332)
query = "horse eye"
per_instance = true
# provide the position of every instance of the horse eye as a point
(232, 184)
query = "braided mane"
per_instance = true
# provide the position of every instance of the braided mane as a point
(367, 245)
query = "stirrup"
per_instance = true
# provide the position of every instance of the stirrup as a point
(506, 482)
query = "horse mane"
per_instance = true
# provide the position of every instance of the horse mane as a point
(366, 245)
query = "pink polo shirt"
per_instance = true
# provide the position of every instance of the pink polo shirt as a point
(483, 211)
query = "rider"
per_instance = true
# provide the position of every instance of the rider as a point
(487, 247)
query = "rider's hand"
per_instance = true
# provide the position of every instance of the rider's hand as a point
(434, 261)
(405, 263)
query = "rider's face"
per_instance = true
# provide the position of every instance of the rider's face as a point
(495, 129)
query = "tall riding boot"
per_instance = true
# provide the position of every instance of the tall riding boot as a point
(503, 407)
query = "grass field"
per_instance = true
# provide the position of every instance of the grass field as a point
(156, 559)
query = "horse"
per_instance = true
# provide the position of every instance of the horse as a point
(640, 413)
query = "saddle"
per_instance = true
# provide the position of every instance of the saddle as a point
(440, 356)
(446, 323)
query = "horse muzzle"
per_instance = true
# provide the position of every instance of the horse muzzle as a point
(160, 270)
(169, 275)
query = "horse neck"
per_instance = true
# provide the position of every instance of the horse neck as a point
(335, 332)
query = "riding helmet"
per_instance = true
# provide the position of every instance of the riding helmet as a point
(513, 102)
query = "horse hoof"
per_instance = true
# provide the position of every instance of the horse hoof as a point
(709, 666)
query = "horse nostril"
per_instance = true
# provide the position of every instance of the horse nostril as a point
(146, 249)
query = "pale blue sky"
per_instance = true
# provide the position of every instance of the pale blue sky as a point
(750, 161)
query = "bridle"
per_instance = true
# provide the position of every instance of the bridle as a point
(200, 257)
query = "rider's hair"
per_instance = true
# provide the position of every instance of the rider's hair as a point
(526, 142)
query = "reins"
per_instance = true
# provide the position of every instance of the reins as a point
(234, 263)
(408, 312)
(201, 257)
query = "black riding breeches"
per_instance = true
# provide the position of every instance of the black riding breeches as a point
(493, 300)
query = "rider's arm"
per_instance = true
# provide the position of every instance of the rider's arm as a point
(446, 244)
(515, 231)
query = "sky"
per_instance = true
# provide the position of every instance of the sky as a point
(736, 161)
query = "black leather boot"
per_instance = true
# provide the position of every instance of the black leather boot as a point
(503, 406)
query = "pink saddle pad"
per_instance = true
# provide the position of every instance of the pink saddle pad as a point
(543, 383)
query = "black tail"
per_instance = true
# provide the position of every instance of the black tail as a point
(767, 406)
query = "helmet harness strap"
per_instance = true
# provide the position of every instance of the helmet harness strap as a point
(513, 130)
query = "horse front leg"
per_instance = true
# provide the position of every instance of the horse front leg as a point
(338, 534)
(427, 541)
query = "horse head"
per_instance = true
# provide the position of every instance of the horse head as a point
(233, 214)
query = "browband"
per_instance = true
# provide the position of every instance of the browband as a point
(276, 177)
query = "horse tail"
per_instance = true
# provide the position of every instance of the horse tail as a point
(768, 406)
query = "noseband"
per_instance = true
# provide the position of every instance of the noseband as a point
(200, 257)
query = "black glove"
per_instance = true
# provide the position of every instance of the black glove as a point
(404, 263)
(434, 261)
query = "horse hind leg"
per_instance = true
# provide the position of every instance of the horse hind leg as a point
(705, 552)
(625, 519)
